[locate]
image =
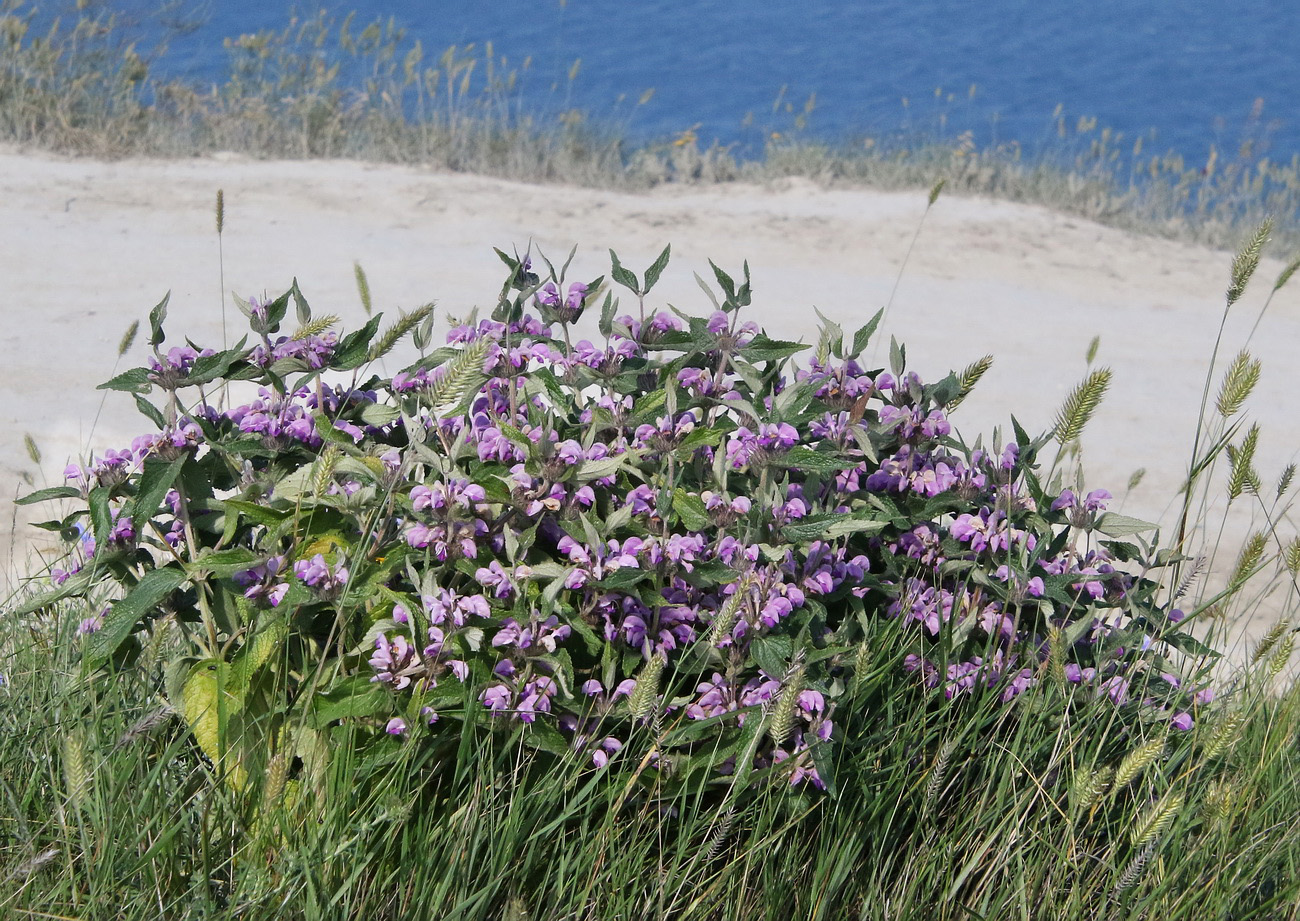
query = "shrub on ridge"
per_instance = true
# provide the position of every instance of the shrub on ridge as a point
(668, 543)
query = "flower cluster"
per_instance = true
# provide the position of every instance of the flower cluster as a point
(665, 519)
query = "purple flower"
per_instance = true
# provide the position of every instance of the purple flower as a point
(396, 726)
(319, 575)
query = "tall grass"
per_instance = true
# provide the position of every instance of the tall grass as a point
(327, 86)
(943, 810)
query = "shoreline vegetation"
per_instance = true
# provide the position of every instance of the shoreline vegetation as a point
(693, 623)
(342, 86)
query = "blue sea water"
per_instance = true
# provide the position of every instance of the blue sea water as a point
(1185, 75)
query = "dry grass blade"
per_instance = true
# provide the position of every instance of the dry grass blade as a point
(1246, 261)
(1238, 382)
(1286, 273)
(30, 866)
(1080, 405)
(145, 725)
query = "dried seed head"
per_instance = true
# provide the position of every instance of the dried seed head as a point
(405, 323)
(1242, 473)
(1248, 559)
(1089, 785)
(1247, 261)
(645, 696)
(329, 459)
(787, 705)
(1286, 273)
(76, 774)
(1292, 556)
(968, 378)
(1238, 382)
(1269, 640)
(314, 327)
(1080, 405)
(1152, 823)
(363, 287)
(1223, 736)
(128, 338)
(32, 451)
(1136, 761)
(1281, 656)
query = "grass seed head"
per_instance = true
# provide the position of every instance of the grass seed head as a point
(1080, 405)
(1247, 261)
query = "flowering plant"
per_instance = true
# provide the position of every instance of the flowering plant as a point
(667, 535)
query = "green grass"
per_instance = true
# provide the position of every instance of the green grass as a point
(374, 95)
(947, 811)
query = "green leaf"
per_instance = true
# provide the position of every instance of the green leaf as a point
(622, 579)
(101, 516)
(224, 563)
(351, 697)
(1114, 525)
(547, 738)
(255, 653)
(125, 614)
(863, 336)
(354, 348)
(773, 653)
(300, 302)
(52, 492)
(656, 269)
(74, 585)
(607, 311)
(156, 479)
(897, 357)
(134, 381)
(1189, 644)
(622, 275)
(150, 411)
(801, 457)
(379, 414)
(208, 368)
(823, 757)
(156, 318)
(259, 514)
(328, 433)
(724, 281)
(690, 509)
(829, 526)
(764, 349)
(201, 705)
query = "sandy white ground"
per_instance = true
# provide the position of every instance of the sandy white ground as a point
(86, 247)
